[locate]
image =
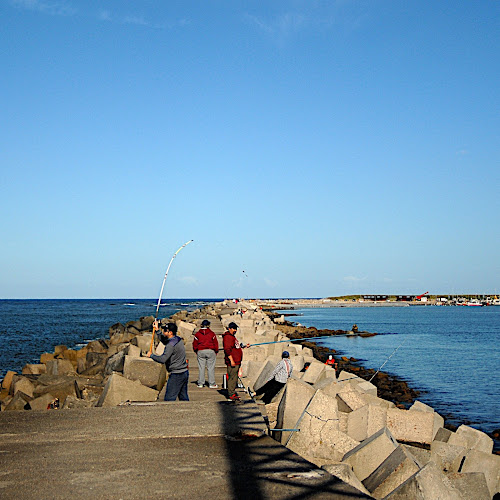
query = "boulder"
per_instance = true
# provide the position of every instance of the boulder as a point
(97, 346)
(368, 455)
(133, 351)
(59, 349)
(119, 389)
(143, 342)
(186, 330)
(74, 402)
(392, 472)
(428, 483)
(116, 329)
(59, 390)
(20, 401)
(296, 397)
(46, 356)
(146, 371)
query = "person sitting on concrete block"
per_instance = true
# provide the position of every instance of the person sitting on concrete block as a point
(277, 380)
(174, 357)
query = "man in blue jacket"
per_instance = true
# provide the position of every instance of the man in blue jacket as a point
(174, 357)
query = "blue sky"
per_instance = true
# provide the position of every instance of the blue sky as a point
(323, 147)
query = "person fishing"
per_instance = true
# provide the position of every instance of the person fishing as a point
(277, 380)
(206, 347)
(174, 357)
(233, 354)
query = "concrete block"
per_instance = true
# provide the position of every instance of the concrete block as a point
(143, 342)
(133, 351)
(97, 346)
(266, 369)
(46, 356)
(343, 421)
(314, 372)
(31, 369)
(81, 365)
(185, 330)
(146, 371)
(438, 419)
(345, 473)
(376, 401)
(368, 455)
(411, 426)
(422, 455)
(7, 380)
(428, 483)
(393, 471)
(24, 385)
(446, 456)
(59, 390)
(297, 363)
(119, 389)
(258, 353)
(350, 400)
(41, 402)
(366, 387)
(365, 421)
(319, 439)
(307, 351)
(74, 402)
(296, 397)
(115, 363)
(19, 402)
(443, 435)
(59, 367)
(475, 439)
(471, 485)
(59, 349)
(488, 464)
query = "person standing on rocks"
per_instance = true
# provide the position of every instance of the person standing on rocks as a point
(277, 380)
(233, 354)
(174, 357)
(206, 347)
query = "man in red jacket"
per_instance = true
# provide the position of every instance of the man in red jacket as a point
(233, 355)
(206, 347)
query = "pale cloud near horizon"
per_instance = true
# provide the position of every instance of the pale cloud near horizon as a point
(353, 278)
(189, 280)
(270, 283)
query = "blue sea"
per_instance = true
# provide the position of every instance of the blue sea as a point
(31, 327)
(450, 354)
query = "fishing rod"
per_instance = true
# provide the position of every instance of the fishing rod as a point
(163, 284)
(392, 354)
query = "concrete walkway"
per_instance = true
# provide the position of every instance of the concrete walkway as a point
(205, 448)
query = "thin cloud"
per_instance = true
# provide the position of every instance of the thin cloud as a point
(189, 280)
(137, 20)
(283, 25)
(270, 283)
(353, 279)
(54, 8)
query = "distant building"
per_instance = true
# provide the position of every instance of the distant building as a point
(376, 298)
(405, 298)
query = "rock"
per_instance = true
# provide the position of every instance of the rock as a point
(422, 455)
(42, 401)
(20, 401)
(116, 329)
(266, 369)
(74, 402)
(143, 342)
(59, 349)
(119, 389)
(186, 330)
(442, 435)
(314, 372)
(31, 369)
(350, 400)
(46, 356)
(59, 390)
(25, 386)
(392, 472)
(446, 456)
(368, 455)
(97, 346)
(115, 363)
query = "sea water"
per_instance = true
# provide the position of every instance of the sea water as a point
(30, 327)
(450, 354)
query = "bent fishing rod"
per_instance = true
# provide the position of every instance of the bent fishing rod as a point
(163, 284)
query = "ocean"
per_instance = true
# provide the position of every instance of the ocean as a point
(450, 354)
(30, 327)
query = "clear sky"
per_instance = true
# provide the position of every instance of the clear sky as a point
(323, 147)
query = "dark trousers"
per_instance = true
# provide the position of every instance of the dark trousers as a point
(232, 379)
(269, 389)
(177, 386)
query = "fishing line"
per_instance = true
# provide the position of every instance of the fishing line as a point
(393, 352)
